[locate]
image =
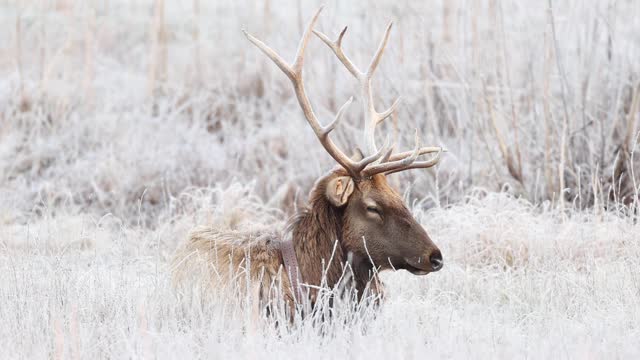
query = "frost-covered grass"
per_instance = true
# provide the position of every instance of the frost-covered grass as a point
(518, 282)
(121, 128)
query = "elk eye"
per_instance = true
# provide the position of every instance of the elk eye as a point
(374, 210)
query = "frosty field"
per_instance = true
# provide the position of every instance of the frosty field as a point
(124, 124)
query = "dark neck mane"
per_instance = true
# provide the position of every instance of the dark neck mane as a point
(317, 238)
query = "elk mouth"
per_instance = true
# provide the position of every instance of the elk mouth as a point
(417, 267)
(416, 271)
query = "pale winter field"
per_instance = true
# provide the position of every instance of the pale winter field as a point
(122, 126)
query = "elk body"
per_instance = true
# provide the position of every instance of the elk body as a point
(354, 217)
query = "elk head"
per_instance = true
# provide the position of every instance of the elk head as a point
(377, 226)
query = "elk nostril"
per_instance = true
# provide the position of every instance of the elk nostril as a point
(436, 260)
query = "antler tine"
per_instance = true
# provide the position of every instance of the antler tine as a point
(424, 150)
(329, 128)
(294, 73)
(376, 58)
(375, 117)
(271, 55)
(397, 164)
(384, 150)
(297, 64)
(385, 114)
(406, 160)
(336, 47)
(295, 69)
(387, 156)
(420, 164)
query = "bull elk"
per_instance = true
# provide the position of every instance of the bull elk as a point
(354, 217)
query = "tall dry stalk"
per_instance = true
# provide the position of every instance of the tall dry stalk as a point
(158, 54)
(446, 22)
(634, 182)
(195, 35)
(500, 139)
(88, 72)
(514, 118)
(548, 116)
(624, 165)
(19, 65)
(565, 119)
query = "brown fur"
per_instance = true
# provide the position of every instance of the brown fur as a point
(231, 258)
(319, 235)
(325, 237)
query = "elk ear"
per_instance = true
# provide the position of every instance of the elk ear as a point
(339, 189)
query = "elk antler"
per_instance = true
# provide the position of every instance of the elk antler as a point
(388, 162)
(294, 73)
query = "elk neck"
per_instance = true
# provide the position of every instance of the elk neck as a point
(317, 235)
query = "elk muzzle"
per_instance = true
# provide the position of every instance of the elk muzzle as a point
(431, 261)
